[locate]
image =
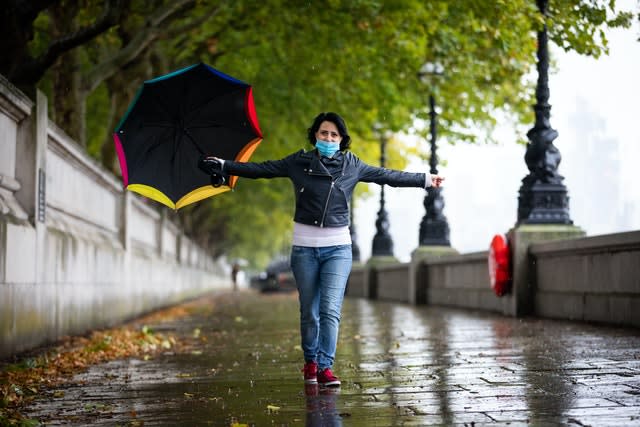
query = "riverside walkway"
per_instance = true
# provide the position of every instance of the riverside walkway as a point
(399, 365)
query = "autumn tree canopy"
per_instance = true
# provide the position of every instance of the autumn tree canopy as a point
(360, 58)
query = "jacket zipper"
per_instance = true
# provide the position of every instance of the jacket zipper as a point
(326, 204)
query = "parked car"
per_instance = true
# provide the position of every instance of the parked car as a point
(276, 277)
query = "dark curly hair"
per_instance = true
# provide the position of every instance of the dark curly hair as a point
(336, 120)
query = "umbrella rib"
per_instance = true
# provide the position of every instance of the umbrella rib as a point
(186, 132)
(215, 125)
(158, 124)
(204, 104)
(172, 125)
(153, 146)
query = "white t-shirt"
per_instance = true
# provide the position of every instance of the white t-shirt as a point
(319, 237)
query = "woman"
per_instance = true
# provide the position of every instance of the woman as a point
(323, 180)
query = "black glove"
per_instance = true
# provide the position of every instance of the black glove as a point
(213, 168)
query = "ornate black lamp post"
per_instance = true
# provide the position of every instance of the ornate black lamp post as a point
(543, 197)
(434, 228)
(382, 243)
(355, 249)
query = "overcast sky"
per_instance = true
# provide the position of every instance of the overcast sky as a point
(595, 109)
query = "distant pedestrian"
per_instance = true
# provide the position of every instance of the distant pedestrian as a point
(323, 180)
(235, 268)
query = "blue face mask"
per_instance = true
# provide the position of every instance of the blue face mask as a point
(326, 148)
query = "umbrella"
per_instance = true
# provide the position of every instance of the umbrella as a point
(177, 119)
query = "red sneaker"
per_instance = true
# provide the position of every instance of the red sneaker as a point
(310, 371)
(326, 378)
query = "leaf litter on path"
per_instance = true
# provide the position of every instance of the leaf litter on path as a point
(31, 375)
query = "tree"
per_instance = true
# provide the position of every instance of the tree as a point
(361, 58)
(78, 73)
(364, 60)
(17, 18)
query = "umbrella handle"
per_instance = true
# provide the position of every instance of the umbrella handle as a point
(213, 168)
(217, 180)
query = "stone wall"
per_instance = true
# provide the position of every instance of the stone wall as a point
(356, 283)
(76, 251)
(459, 280)
(588, 278)
(392, 282)
(594, 279)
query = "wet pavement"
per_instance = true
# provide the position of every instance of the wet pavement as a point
(399, 365)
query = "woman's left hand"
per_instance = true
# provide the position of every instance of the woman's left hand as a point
(436, 181)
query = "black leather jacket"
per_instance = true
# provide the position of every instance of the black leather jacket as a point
(323, 186)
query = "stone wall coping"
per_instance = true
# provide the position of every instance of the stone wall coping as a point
(13, 101)
(458, 259)
(142, 206)
(9, 183)
(392, 267)
(608, 243)
(66, 146)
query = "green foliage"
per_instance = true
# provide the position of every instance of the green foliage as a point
(360, 58)
(579, 25)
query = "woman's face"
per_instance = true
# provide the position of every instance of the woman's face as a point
(328, 131)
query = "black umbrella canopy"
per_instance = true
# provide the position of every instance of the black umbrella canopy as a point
(174, 121)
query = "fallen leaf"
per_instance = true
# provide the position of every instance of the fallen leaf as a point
(273, 408)
(19, 382)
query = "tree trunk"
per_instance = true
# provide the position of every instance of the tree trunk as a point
(107, 150)
(122, 91)
(69, 101)
(67, 96)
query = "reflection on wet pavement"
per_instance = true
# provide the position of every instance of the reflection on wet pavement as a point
(399, 365)
(322, 409)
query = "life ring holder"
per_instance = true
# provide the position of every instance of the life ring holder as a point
(500, 265)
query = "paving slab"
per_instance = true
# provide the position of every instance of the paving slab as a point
(399, 364)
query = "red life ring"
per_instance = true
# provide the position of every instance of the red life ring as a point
(500, 265)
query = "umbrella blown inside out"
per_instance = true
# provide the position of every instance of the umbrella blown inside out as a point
(173, 122)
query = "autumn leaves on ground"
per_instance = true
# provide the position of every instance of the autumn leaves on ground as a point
(23, 379)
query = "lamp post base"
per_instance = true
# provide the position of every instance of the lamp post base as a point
(543, 203)
(382, 245)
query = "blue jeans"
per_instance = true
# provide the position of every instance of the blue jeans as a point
(321, 276)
